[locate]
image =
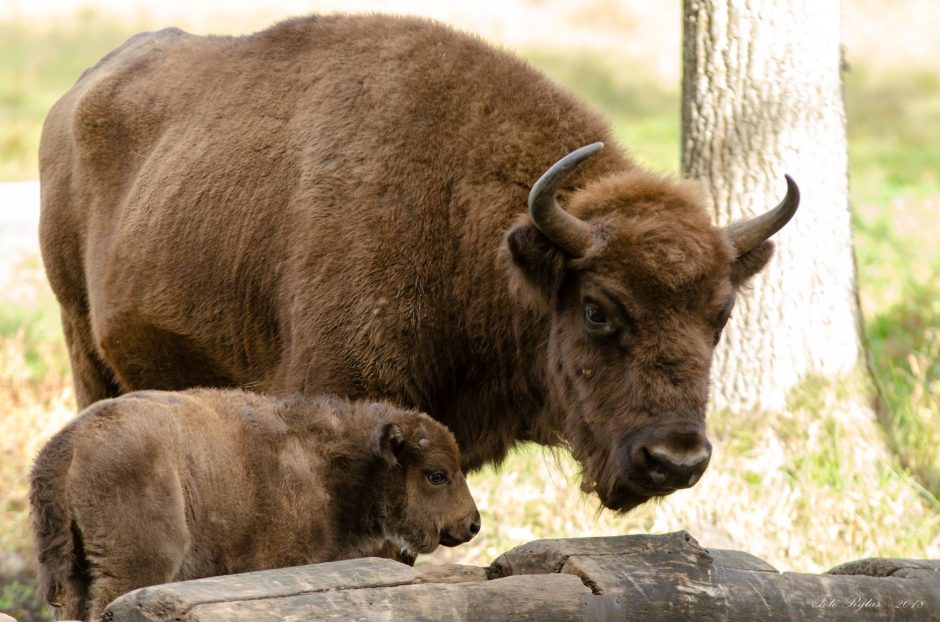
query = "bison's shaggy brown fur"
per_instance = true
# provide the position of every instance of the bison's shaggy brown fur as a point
(157, 486)
(337, 204)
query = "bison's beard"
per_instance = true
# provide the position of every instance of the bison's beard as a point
(596, 453)
(599, 475)
(413, 542)
(623, 500)
(619, 500)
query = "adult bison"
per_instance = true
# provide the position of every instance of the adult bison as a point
(338, 204)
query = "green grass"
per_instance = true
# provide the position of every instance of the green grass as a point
(893, 125)
(38, 63)
(29, 317)
(644, 113)
(894, 154)
(826, 463)
(40, 330)
(18, 599)
(904, 346)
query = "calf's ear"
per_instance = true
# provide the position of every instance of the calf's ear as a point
(534, 263)
(389, 443)
(750, 263)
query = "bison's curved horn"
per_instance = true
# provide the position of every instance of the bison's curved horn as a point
(748, 234)
(568, 232)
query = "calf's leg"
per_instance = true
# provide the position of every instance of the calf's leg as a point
(136, 537)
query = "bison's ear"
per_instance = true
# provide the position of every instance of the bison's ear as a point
(750, 263)
(389, 443)
(534, 263)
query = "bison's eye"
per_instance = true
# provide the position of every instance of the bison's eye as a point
(437, 478)
(595, 318)
(723, 319)
(717, 336)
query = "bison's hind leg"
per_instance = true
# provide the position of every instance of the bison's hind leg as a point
(137, 534)
(147, 550)
(69, 585)
(94, 380)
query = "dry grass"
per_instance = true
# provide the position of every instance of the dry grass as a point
(33, 411)
(37, 399)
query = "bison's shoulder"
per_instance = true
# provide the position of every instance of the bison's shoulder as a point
(135, 44)
(120, 102)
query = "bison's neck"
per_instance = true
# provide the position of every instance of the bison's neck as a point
(359, 493)
(422, 317)
(499, 397)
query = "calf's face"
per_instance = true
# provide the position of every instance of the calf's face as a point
(435, 505)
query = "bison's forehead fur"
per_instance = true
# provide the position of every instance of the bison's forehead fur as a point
(656, 235)
(434, 443)
(354, 424)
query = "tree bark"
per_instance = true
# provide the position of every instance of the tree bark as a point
(762, 96)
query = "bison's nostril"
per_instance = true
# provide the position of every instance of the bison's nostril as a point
(657, 471)
(663, 468)
(657, 474)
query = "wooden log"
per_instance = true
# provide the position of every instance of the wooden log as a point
(667, 577)
(546, 556)
(726, 558)
(165, 602)
(363, 589)
(670, 577)
(887, 567)
(674, 590)
(451, 573)
(551, 598)
(349, 574)
(555, 598)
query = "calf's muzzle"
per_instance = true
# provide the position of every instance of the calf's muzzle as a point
(462, 532)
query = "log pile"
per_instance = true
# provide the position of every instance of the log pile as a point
(661, 577)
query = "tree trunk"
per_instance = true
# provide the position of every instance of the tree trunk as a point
(762, 96)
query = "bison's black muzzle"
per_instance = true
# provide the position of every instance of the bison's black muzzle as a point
(660, 462)
(464, 532)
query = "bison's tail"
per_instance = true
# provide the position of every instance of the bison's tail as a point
(63, 569)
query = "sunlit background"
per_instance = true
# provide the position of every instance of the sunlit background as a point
(804, 489)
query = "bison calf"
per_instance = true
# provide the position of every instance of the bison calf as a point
(156, 486)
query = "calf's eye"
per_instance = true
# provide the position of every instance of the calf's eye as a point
(437, 478)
